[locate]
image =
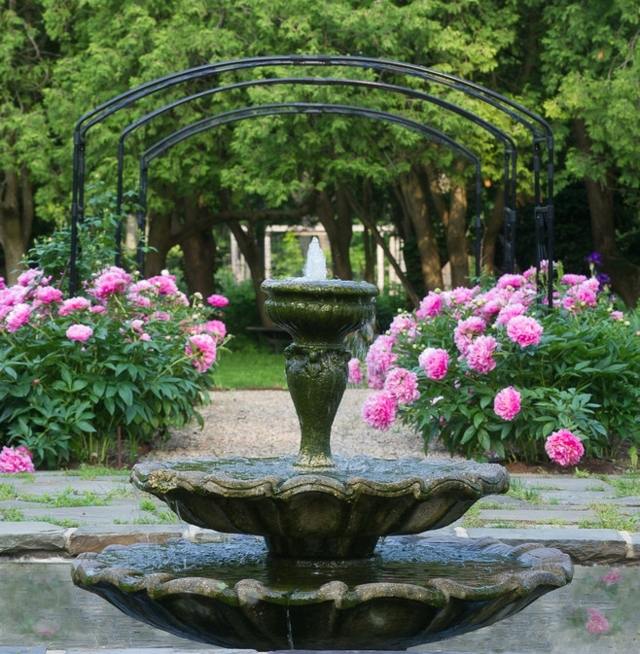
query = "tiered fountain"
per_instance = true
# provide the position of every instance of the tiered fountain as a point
(317, 576)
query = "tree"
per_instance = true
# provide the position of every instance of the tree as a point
(591, 59)
(26, 56)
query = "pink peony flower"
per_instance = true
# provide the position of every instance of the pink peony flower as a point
(16, 459)
(202, 348)
(217, 328)
(379, 410)
(18, 317)
(460, 295)
(98, 308)
(511, 281)
(617, 315)
(612, 577)
(465, 331)
(111, 281)
(218, 301)
(73, 304)
(145, 337)
(137, 325)
(160, 315)
(403, 324)
(10, 297)
(380, 358)
(480, 354)
(434, 362)
(509, 312)
(571, 280)
(430, 306)
(29, 276)
(524, 331)
(182, 299)
(506, 403)
(596, 624)
(79, 333)
(165, 283)
(48, 295)
(403, 385)
(355, 372)
(564, 448)
(139, 300)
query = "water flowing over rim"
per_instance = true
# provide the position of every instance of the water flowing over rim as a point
(325, 287)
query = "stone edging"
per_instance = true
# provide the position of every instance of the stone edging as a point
(585, 546)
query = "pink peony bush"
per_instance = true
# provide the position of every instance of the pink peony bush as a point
(127, 360)
(499, 374)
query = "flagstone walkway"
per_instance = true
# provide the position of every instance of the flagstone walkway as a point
(595, 518)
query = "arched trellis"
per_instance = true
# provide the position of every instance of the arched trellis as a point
(537, 126)
(510, 150)
(284, 108)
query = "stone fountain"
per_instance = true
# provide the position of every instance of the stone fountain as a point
(312, 569)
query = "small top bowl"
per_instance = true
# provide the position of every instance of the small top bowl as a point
(319, 312)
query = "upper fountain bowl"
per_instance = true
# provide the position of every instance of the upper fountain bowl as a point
(319, 312)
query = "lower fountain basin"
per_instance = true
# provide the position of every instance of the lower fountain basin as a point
(235, 595)
(323, 513)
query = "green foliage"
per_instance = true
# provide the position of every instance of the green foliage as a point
(242, 311)
(592, 64)
(388, 305)
(287, 256)
(96, 233)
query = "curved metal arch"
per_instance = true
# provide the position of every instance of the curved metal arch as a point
(544, 215)
(510, 147)
(293, 108)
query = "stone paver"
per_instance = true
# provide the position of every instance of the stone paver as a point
(90, 539)
(24, 537)
(585, 546)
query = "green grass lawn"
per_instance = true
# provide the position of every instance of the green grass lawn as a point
(250, 366)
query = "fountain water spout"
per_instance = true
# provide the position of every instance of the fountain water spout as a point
(315, 267)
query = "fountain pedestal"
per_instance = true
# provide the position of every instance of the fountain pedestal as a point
(318, 316)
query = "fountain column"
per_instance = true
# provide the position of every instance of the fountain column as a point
(318, 313)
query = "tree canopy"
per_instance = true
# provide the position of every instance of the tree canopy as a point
(575, 63)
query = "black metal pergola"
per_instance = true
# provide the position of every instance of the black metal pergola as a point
(538, 128)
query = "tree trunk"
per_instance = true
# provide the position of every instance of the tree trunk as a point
(369, 245)
(600, 198)
(337, 223)
(364, 211)
(625, 275)
(199, 250)
(160, 242)
(253, 252)
(492, 227)
(414, 203)
(16, 220)
(457, 236)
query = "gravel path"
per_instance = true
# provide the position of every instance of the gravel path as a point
(264, 423)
